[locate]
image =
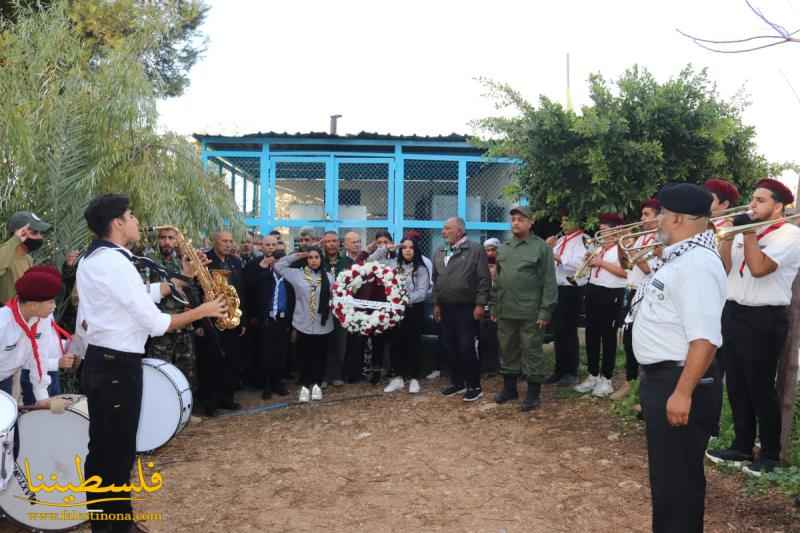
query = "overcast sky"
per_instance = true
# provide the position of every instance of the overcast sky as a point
(409, 67)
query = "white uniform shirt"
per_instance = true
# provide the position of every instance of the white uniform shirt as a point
(572, 250)
(115, 305)
(782, 246)
(17, 351)
(682, 303)
(602, 277)
(635, 275)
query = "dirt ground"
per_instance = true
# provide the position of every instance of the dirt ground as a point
(425, 463)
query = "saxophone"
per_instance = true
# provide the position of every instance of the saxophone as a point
(214, 283)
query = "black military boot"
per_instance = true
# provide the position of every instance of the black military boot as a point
(532, 400)
(509, 391)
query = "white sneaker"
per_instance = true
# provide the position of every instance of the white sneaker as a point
(316, 393)
(588, 385)
(305, 395)
(395, 385)
(603, 388)
(413, 386)
(433, 375)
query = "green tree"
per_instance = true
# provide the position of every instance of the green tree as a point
(172, 37)
(637, 135)
(70, 130)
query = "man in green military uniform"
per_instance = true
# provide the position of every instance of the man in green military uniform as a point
(525, 294)
(176, 347)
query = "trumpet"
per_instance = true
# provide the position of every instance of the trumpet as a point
(732, 212)
(724, 234)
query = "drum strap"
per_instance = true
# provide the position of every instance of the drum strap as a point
(16, 442)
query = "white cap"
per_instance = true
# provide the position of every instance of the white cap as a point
(491, 243)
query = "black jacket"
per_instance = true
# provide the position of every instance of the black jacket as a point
(259, 290)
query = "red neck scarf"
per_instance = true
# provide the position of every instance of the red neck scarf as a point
(602, 256)
(30, 332)
(758, 238)
(565, 240)
(62, 334)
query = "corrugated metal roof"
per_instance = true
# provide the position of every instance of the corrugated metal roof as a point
(363, 136)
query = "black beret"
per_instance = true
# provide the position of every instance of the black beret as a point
(686, 198)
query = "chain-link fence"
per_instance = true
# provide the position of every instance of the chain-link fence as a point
(486, 184)
(243, 176)
(363, 191)
(299, 190)
(430, 189)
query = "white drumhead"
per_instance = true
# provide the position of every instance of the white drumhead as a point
(8, 412)
(50, 442)
(164, 404)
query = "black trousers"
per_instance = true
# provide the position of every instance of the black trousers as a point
(406, 347)
(235, 347)
(312, 351)
(603, 306)
(459, 331)
(488, 345)
(353, 370)
(631, 364)
(112, 382)
(273, 350)
(216, 374)
(675, 454)
(565, 330)
(754, 338)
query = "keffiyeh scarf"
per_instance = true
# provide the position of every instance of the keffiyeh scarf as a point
(706, 239)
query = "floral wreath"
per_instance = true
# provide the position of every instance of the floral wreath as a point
(369, 317)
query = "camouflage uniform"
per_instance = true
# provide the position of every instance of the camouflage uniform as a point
(176, 347)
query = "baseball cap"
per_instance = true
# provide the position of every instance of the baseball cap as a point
(26, 218)
(522, 210)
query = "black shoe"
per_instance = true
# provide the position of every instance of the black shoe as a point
(568, 380)
(531, 400)
(555, 378)
(231, 406)
(729, 457)
(210, 412)
(473, 394)
(280, 389)
(266, 394)
(453, 389)
(764, 465)
(509, 391)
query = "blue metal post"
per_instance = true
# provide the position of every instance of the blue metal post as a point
(462, 189)
(265, 214)
(396, 194)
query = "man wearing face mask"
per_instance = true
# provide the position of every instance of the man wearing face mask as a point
(26, 230)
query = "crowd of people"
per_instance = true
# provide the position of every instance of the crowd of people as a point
(697, 292)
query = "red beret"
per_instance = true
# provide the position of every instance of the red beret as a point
(39, 284)
(652, 203)
(612, 219)
(783, 193)
(412, 234)
(724, 190)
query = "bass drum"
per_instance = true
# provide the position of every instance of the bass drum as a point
(166, 404)
(50, 442)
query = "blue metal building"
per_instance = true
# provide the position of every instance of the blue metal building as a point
(363, 182)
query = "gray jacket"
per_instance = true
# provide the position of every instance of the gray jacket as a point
(302, 320)
(465, 279)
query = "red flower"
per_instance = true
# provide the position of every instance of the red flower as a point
(396, 300)
(394, 281)
(381, 317)
(388, 291)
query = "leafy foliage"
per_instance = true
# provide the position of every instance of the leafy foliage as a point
(167, 30)
(637, 135)
(70, 130)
